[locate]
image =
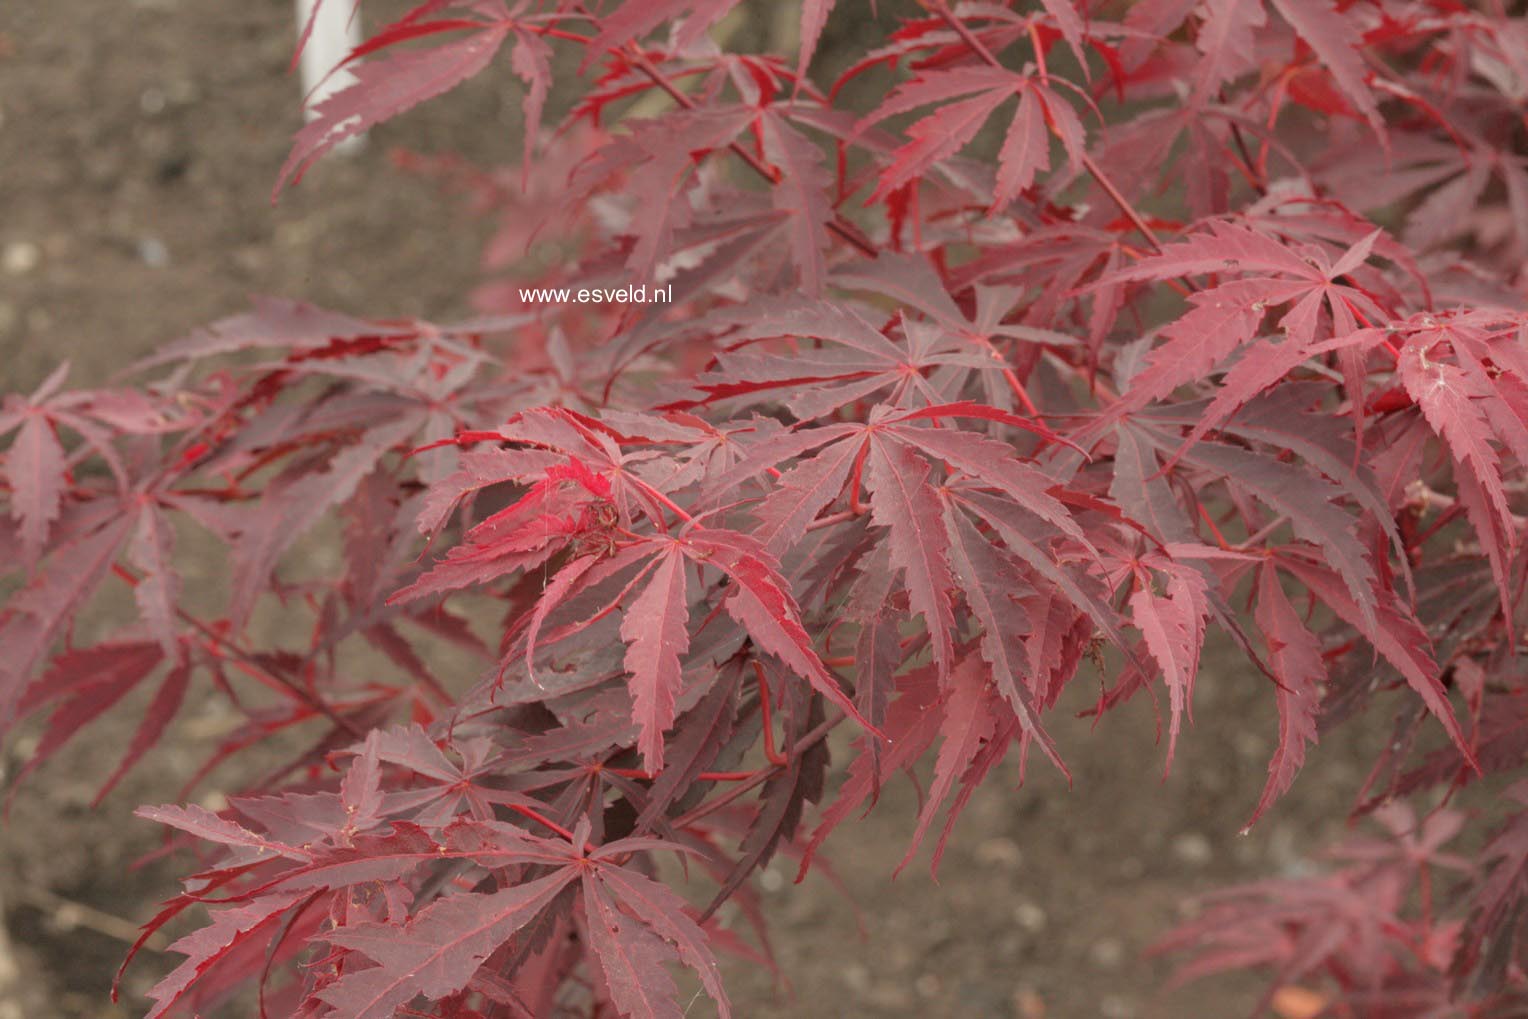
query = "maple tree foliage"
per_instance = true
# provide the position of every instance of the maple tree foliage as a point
(1046, 340)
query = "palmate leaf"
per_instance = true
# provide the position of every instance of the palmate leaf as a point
(34, 466)
(1479, 966)
(49, 603)
(830, 482)
(1305, 497)
(802, 196)
(992, 584)
(1452, 400)
(664, 914)
(1295, 658)
(758, 599)
(1225, 42)
(1225, 317)
(912, 724)
(636, 18)
(34, 470)
(439, 950)
(657, 634)
(814, 16)
(1392, 632)
(970, 724)
(656, 158)
(387, 86)
(1173, 625)
(942, 134)
(762, 603)
(86, 683)
(903, 502)
(635, 926)
(230, 930)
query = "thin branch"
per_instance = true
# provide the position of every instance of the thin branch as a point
(70, 915)
(838, 224)
(941, 7)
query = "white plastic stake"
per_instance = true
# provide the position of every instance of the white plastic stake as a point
(336, 32)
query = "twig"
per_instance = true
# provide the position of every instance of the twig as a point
(976, 45)
(838, 224)
(812, 738)
(10, 973)
(223, 644)
(68, 915)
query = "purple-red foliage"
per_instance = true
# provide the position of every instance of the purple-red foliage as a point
(1108, 326)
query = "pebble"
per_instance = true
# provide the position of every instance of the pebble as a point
(1000, 852)
(1193, 849)
(1030, 917)
(20, 257)
(153, 252)
(183, 91)
(1251, 746)
(927, 985)
(856, 978)
(1107, 953)
(891, 998)
(1027, 1004)
(1115, 1007)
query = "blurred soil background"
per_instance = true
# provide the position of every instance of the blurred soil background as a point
(139, 141)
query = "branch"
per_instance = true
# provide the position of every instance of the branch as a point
(941, 7)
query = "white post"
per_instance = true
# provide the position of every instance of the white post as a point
(336, 32)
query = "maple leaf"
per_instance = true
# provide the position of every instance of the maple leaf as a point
(702, 734)
(912, 725)
(1173, 625)
(969, 724)
(34, 469)
(1496, 905)
(36, 615)
(656, 631)
(826, 475)
(942, 134)
(230, 929)
(992, 585)
(1295, 658)
(1452, 398)
(274, 322)
(89, 682)
(658, 158)
(1227, 316)
(905, 504)
(35, 466)
(632, 957)
(762, 603)
(636, 18)
(1229, 26)
(802, 196)
(442, 947)
(289, 510)
(814, 16)
(438, 951)
(1394, 634)
(389, 85)
(158, 591)
(1305, 497)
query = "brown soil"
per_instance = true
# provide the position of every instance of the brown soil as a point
(138, 145)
